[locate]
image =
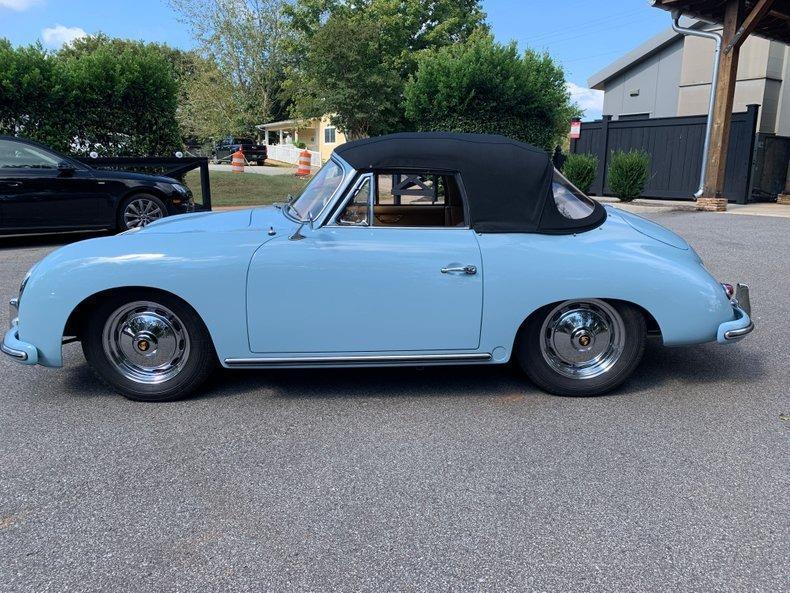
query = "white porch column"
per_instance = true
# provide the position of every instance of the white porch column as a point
(281, 137)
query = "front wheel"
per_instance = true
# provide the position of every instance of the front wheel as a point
(140, 210)
(582, 347)
(149, 346)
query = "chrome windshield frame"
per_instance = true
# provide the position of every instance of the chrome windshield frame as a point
(348, 175)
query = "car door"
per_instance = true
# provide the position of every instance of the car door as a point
(358, 288)
(37, 194)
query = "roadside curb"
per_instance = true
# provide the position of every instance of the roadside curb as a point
(648, 205)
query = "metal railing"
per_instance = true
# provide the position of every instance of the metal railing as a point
(288, 153)
(175, 167)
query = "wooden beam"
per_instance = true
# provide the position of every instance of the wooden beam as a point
(713, 197)
(749, 23)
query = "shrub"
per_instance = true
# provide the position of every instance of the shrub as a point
(628, 173)
(580, 170)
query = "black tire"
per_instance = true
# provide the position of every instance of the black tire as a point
(125, 205)
(261, 163)
(197, 363)
(549, 372)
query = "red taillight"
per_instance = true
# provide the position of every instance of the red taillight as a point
(728, 288)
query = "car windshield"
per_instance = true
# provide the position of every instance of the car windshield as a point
(571, 202)
(318, 192)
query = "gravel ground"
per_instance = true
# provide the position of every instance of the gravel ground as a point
(449, 479)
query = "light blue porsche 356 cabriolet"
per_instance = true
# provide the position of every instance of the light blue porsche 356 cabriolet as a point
(411, 249)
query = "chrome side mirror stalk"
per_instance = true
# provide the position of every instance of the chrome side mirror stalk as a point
(297, 234)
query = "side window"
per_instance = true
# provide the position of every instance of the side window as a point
(417, 199)
(403, 188)
(17, 155)
(357, 211)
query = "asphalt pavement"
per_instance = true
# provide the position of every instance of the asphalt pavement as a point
(450, 479)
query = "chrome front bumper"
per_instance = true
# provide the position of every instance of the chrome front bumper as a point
(742, 325)
(12, 345)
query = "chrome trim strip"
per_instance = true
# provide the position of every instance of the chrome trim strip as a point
(734, 334)
(12, 352)
(362, 359)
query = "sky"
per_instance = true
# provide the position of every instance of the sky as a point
(582, 35)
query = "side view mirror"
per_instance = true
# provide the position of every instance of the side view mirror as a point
(298, 236)
(66, 168)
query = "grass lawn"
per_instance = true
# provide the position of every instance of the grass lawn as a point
(246, 189)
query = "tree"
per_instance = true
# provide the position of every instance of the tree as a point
(207, 108)
(348, 79)
(354, 56)
(244, 39)
(483, 86)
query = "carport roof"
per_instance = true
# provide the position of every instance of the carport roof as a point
(774, 25)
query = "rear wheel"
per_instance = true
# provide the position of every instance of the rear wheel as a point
(140, 210)
(149, 346)
(582, 347)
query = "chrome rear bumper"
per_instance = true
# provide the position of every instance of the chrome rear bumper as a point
(742, 325)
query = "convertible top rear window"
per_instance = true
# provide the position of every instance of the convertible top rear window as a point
(570, 201)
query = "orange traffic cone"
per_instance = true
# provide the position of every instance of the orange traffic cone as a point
(237, 162)
(304, 163)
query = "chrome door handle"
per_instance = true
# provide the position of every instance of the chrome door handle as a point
(471, 270)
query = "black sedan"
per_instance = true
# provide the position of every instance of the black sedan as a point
(44, 191)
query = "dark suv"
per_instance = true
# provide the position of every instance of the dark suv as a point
(253, 152)
(44, 191)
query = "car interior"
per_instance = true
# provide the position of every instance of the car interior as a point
(406, 199)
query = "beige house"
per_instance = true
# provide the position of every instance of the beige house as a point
(670, 75)
(318, 134)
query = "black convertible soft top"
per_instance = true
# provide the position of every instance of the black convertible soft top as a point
(508, 184)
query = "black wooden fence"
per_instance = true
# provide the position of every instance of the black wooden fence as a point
(675, 148)
(771, 156)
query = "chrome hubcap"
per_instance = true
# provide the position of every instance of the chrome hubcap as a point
(141, 212)
(146, 342)
(582, 339)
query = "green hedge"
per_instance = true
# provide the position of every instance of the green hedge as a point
(115, 101)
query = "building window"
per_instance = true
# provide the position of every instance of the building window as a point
(329, 135)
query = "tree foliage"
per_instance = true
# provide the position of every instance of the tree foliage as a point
(113, 97)
(486, 87)
(244, 42)
(351, 58)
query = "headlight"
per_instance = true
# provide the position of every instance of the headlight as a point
(181, 189)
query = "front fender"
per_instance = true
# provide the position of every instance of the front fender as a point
(207, 270)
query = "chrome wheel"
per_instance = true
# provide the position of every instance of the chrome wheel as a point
(140, 212)
(582, 339)
(146, 342)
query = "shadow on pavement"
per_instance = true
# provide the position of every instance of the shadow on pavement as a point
(660, 366)
(49, 240)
